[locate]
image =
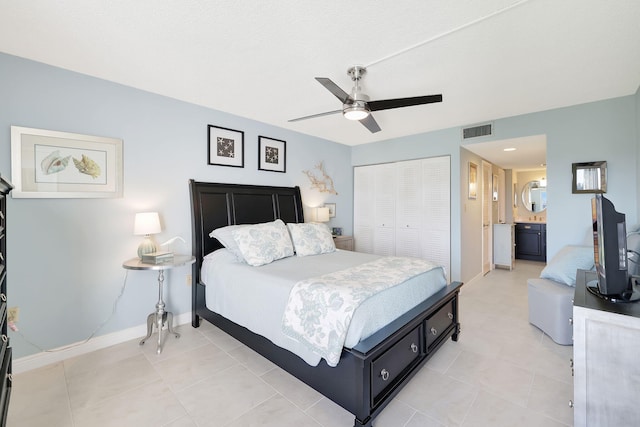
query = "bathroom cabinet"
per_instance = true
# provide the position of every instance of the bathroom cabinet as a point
(531, 241)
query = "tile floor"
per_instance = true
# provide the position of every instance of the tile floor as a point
(501, 372)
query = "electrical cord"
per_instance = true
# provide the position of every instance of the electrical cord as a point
(100, 326)
(446, 33)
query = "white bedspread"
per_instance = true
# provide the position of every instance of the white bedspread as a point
(319, 310)
(256, 297)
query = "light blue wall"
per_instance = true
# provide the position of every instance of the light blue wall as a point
(604, 130)
(65, 255)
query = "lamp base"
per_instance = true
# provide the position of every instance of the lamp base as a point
(146, 247)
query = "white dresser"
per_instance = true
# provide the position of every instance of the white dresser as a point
(606, 345)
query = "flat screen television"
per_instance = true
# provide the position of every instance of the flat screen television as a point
(610, 249)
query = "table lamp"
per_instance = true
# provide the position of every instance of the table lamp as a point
(322, 214)
(146, 223)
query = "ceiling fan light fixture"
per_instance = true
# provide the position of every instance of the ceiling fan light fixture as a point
(356, 111)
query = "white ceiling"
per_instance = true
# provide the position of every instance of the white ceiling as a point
(526, 153)
(258, 59)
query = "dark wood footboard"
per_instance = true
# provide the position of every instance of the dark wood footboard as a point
(369, 375)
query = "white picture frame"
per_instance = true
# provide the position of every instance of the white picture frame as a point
(53, 164)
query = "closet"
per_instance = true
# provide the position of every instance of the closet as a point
(404, 209)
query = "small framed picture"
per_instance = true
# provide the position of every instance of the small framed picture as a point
(272, 154)
(226, 147)
(495, 188)
(332, 209)
(473, 180)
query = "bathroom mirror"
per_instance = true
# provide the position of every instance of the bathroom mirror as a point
(534, 196)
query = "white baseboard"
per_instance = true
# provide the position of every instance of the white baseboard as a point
(45, 358)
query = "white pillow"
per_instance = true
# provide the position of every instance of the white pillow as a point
(263, 243)
(225, 237)
(311, 239)
(562, 267)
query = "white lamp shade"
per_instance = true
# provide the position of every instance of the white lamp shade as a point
(147, 223)
(322, 214)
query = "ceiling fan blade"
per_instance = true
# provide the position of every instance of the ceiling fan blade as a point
(370, 123)
(386, 104)
(313, 116)
(334, 89)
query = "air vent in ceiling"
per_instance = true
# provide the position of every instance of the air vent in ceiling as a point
(476, 131)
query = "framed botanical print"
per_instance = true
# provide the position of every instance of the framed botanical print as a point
(53, 164)
(272, 154)
(226, 147)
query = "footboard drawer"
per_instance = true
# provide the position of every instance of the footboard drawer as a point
(389, 368)
(439, 323)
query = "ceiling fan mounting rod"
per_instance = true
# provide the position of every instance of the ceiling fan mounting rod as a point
(356, 72)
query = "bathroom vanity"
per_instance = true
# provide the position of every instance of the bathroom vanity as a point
(531, 241)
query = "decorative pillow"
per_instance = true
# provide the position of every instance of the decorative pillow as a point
(225, 237)
(311, 239)
(562, 267)
(263, 243)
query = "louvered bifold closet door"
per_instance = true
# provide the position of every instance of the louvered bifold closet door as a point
(404, 209)
(409, 209)
(436, 197)
(384, 209)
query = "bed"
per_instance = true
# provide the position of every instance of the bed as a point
(371, 372)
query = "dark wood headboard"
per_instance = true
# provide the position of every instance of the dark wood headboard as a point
(215, 205)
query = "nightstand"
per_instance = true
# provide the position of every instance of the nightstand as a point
(343, 242)
(159, 318)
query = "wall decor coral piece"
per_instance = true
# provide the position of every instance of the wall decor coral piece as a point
(51, 164)
(272, 154)
(225, 147)
(323, 184)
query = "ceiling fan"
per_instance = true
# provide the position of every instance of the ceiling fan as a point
(356, 105)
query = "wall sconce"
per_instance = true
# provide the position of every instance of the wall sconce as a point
(543, 181)
(146, 223)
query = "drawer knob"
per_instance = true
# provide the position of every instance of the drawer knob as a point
(384, 374)
(450, 316)
(571, 321)
(4, 338)
(571, 404)
(414, 347)
(3, 297)
(434, 331)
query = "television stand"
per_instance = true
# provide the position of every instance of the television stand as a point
(632, 295)
(606, 344)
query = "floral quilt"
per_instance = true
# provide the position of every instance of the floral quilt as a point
(320, 309)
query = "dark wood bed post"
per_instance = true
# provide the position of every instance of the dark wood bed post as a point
(370, 374)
